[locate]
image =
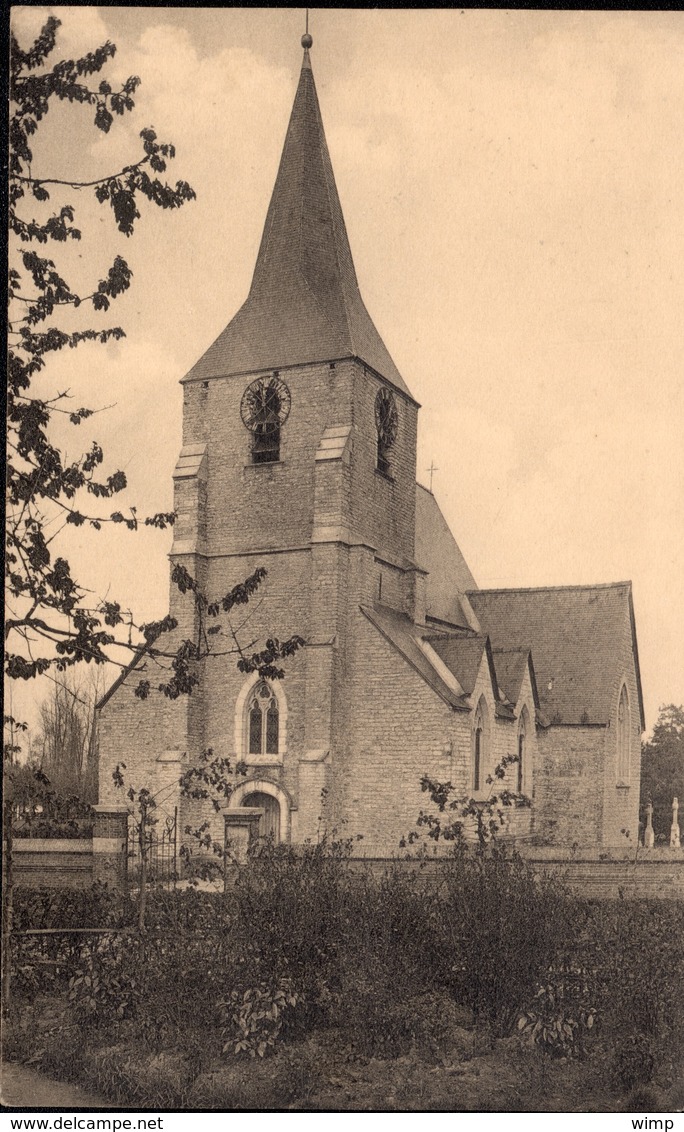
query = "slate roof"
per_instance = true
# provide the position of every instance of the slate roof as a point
(574, 634)
(401, 632)
(463, 657)
(431, 656)
(448, 574)
(125, 672)
(304, 303)
(511, 666)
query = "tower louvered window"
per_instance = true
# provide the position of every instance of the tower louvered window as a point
(386, 421)
(264, 408)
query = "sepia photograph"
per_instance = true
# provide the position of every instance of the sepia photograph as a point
(344, 607)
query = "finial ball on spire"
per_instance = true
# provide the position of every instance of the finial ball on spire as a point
(307, 41)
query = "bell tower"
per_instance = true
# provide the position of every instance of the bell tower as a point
(300, 365)
(299, 454)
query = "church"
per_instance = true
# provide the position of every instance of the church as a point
(299, 456)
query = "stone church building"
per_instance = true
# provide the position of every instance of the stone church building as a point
(299, 455)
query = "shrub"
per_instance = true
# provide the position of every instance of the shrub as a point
(379, 1022)
(406, 961)
(254, 1019)
(292, 910)
(635, 952)
(633, 1061)
(97, 906)
(560, 1016)
(502, 928)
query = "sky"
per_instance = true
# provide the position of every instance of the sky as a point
(511, 185)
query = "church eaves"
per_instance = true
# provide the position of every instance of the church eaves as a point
(304, 304)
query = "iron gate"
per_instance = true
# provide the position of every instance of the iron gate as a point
(160, 848)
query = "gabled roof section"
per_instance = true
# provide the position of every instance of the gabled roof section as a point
(123, 675)
(511, 666)
(463, 657)
(575, 634)
(304, 304)
(406, 638)
(448, 574)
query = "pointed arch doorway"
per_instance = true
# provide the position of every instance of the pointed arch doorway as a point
(269, 822)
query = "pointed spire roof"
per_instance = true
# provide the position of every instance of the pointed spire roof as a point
(304, 304)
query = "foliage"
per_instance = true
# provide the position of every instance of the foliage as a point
(633, 1061)
(46, 962)
(210, 632)
(96, 907)
(52, 622)
(254, 1019)
(50, 619)
(553, 1021)
(470, 819)
(45, 813)
(503, 925)
(388, 969)
(102, 983)
(662, 769)
(32, 805)
(294, 913)
(640, 980)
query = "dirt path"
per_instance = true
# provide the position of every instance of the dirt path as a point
(24, 1088)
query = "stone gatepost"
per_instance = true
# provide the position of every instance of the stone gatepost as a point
(241, 830)
(674, 828)
(649, 836)
(110, 845)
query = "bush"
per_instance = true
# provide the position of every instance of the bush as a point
(560, 1016)
(633, 1062)
(307, 940)
(253, 1019)
(45, 963)
(379, 1022)
(635, 952)
(94, 907)
(501, 929)
(293, 912)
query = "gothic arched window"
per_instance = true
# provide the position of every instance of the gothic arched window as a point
(623, 730)
(263, 723)
(521, 754)
(479, 748)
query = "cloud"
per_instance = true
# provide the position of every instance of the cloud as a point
(78, 34)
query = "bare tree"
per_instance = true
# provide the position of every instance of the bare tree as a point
(62, 744)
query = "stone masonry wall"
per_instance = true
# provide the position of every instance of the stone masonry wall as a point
(567, 803)
(399, 731)
(139, 734)
(384, 508)
(255, 506)
(259, 506)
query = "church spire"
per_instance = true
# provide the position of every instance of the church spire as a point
(304, 303)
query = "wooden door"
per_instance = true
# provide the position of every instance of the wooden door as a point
(269, 822)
